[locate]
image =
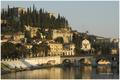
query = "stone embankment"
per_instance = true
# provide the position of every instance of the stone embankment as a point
(8, 66)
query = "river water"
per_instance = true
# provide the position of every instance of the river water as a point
(85, 72)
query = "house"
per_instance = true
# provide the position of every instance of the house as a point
(86, 45)
(18, 36)
(32, 30)
(55, 48)
(17, 11)
(66, 34)
(69, 49)
(102, 40)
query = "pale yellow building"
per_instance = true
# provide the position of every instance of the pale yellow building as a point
(61, 49)
(18, 10)
(32, 30)
(55, 49)
(3, 21)
(28, 46)
(114, 51)
(86, 45)
(69, 50)
(18, 36)
(66, 34)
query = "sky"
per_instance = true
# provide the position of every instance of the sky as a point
(97, 17)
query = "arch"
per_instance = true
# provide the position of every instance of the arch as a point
(67, 62)
(103, 60)
(81, 60)
(85, 61)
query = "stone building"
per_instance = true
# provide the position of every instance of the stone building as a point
(68, 50)
(17, 11)
(61, 49)
(32, 30)
(86, 45)
(102, 40)
(18, 36)
(66, 34)
(55, 49)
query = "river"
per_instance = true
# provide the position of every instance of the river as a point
(85, 72)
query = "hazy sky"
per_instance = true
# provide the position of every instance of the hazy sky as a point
(98, 17)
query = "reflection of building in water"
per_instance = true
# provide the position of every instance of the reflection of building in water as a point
(56, 73)
(70, 73)
(86, 46)
(103, 69)
(103, 62)
(86, 72)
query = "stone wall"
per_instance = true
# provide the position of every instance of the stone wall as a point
(24, 63)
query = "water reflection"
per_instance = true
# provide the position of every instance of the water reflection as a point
(86, 72)
(104, 69)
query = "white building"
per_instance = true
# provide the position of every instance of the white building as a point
(86, 46)
(69, 49)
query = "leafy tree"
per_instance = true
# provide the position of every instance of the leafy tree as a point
(35, 18)
(7, 50)
(59, 40)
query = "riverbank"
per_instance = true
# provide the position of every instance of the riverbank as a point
(6, 70)
(8, 66)
(83, 72)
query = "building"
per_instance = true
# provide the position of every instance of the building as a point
(114, 51)
(55, 49)
(3, 21)
(68, 50)
(17, 11)
(5, 38)
(32, 30)
(66, 34)
(18, 36)
(61, 49)
(102, 40)
(28, 46)
(86, 45)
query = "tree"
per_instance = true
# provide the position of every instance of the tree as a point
(46, 48)
(7, 50)
(59, 40)
(21, 51)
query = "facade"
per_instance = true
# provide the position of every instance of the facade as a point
(61, 49)
(69, 49)
(102, 40)
(18, 36)
(114, 51)
(28, 46)
(3, 21)
(18, 10)
(86, 46)
(55, 49)
(64, 33)
(31, 30)
(6, 38)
